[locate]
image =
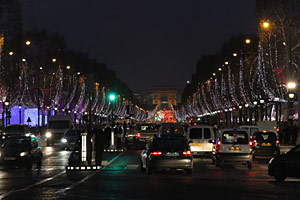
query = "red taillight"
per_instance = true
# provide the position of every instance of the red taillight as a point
(254, 143)
(219, 143)
(156, 153)
(277, 129)
(250, 145)
(138, 135)
(187, 153)
(277, 142)
(218, 146)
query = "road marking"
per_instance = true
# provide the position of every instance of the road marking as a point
(87, 177)
(132, 167)
(31, 186)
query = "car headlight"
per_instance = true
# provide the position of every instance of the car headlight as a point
(27, 134)
(48, 135)
(272, 159)
(24, 153)
(64, 140)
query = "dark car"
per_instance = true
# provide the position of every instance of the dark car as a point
(285, 165)
(169, 151)
(265, 143)
(21, 151)
(69, 138)
(16, 129)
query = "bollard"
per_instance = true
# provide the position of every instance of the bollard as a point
(83, 149)
(112, 141)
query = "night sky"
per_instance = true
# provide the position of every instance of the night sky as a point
(147, 42)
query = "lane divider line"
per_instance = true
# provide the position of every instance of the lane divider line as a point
(87, 177)
(31, 186)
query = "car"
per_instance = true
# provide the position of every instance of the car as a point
(70, 138)
(142, 134)
(200, 138)
(250, 128)
(168, 151)
(265, 143)
(171, 128)
(233, 146)
(21, 151)
(285, 165)
(15, 129)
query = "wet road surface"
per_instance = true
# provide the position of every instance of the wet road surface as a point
(122, 178)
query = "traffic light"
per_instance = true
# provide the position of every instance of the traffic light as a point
(112, 97)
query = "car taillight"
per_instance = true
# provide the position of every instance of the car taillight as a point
(219, 143)
(277, 142)
(187, 153)
(254, 143)
(250, 145)
(156, 153)
(138, 135)
(218, 146)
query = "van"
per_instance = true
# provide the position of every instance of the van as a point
(56, 127)
(201, 139)
(233, 146)
(251, 129)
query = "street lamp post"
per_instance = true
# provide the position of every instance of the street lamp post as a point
(20, 112)
(6, 111)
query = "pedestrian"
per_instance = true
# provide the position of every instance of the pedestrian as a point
(99, 145)
(119, 137)
(107, 137)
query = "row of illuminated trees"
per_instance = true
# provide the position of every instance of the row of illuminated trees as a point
(43, 75)
(253, 80)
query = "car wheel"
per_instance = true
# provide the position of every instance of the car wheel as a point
(29, 164)
(279, 174)
(39, 163)
(217, 163)
(213, 161)
(189, 171)
(249, 164)
(149, 170)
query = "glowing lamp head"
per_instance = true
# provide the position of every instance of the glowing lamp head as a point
(247, 41)
(112, 97)
(27, 42)
(266, 24)
(291, 85)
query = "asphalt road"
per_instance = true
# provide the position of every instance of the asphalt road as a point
(122, 178)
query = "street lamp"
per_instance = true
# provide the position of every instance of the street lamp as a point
(226, 63)
(6, 111)
(291, 85)
(265, 25)
(27, 42)
(20, 112)
(11, 53)
(247, 41)
(220, 69)
(234, 54)
(54, 60)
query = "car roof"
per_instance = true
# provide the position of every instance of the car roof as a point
(232, 129)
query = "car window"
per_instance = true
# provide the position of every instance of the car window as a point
(195, 133)
(58, 124)
(172, 130)
(72, 133)
(235, 137)
(169, 144)
(16, 142)
(14, 129)
(207, 133)
(265, 137)
(253, 130)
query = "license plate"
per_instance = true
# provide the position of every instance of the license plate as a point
(266, 144)
(172, 154)
(9, 158)
(197, 144)
(235, 149)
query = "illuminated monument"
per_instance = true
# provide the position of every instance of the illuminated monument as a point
(164, 96)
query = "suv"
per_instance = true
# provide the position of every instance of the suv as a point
(265, 143)
(200, 138)
(233, 146)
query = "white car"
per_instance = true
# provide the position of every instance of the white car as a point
(200, 138)
(233, 146)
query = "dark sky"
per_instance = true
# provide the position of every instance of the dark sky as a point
(147, 42)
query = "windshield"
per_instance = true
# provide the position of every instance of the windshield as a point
(196, 133)
(234, 137)
(73, 132)
(172, 130)
(169, 144)
(14, 129)
(265, 137)
(58, 125)
(144, 127)
(16, 142)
